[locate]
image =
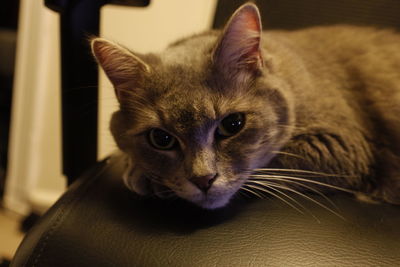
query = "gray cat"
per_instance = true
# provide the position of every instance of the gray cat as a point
(252, 111)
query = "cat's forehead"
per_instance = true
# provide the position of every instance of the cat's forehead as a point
(186, 100)
(187, 110)
(182, 100)
(190, 51)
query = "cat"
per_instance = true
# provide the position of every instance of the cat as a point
(246, 110)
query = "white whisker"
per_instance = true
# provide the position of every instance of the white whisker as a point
(252, 192)
(309, 198)
(277, 196)
(288, 154)
(301, 171)
(272, 186)
(309, 188)
(243, 194)
(271, 177)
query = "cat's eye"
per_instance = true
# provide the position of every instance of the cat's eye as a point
(162, 140)
(231, 125)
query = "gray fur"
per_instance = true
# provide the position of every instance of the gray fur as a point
(330, 95)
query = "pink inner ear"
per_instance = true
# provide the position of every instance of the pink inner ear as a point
(124, 69)
(108, 58)
(239, 47)
(251, 18)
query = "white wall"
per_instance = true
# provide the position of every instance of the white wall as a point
(34, 178)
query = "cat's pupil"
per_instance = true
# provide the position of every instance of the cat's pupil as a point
(161, 139)
(231, 125)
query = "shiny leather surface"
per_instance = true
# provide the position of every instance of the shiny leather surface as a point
(100, 223)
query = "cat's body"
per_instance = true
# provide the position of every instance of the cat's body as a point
(346, 104)
(323, 99)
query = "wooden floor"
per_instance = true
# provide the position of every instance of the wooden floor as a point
(10, 236)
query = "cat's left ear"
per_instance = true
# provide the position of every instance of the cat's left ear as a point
(125, 70)
(239, 48)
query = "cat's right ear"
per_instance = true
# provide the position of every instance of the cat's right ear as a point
(238, 50)
(124, 69)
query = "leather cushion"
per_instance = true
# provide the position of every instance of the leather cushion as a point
(100, 223)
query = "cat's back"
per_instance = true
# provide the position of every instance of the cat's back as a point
(337, 41)
(331, 49)
(362, 60)
(354, 65)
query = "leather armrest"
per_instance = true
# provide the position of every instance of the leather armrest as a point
(100, 223)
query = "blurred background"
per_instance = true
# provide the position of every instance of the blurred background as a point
(10, 236)
(8, 38)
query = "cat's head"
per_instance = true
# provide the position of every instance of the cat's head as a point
(196, 119)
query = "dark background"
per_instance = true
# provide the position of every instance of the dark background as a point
(8, 30)
(295, 14)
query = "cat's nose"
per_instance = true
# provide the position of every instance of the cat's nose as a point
(204, 182)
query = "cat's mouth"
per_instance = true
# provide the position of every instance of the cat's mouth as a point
(212, 199)
(148, 185)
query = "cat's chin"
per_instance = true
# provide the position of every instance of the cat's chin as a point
(208, 201)
(212, 204)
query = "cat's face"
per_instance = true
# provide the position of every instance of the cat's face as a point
(196, 125)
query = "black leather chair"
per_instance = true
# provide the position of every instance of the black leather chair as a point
(98, 222)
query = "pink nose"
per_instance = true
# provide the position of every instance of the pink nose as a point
(204, 182)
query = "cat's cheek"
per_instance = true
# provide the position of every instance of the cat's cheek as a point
(135, 182)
